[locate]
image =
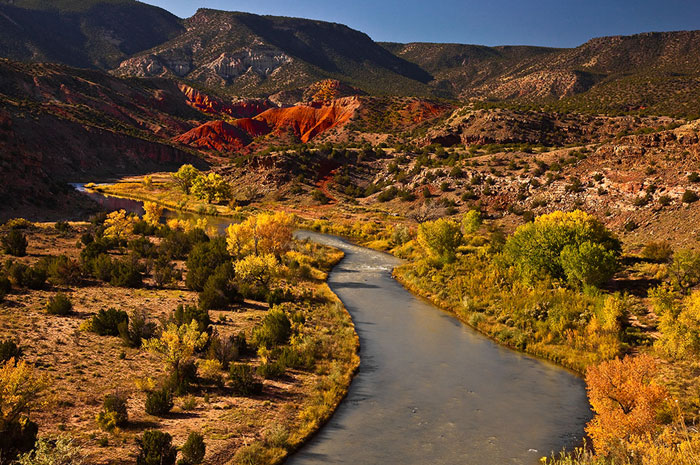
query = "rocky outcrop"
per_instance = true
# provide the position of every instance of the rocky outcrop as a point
(540, 85)
(244, 108)
(308, 121)
(215, 135)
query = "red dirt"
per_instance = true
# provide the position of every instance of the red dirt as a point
(215, 135)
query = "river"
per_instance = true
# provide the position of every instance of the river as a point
(431, 390)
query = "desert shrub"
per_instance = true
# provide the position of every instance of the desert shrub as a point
(194, 449)
(271, 370)
(276, 329)
(159, 402)
(685, 269)
(203, 260)
(29, 277)
(536, 248)
(156, 448)
(9, 349)
(18, 437)
(210, 371)
(5, 286)
(15, 243)
(243, 381)
(136, 328)
(143, 248)
(219, 290)
(164, 273)
(106, 322)
(297, 357)
(185, 314)
(114, 413)
(126, 273)
(62, 270)
(659, 252)
(440, 239)
(689, 196)
(226, 349)
(59, 304)
(53, 451)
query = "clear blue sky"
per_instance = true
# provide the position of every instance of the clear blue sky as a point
(562, 23)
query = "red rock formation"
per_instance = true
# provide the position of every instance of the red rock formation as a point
(216, 135)
(308, 121)
(212, 105)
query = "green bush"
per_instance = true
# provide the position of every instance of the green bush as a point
(185, 314)
(276, 329)
(106, 322)
(62, 270)
(243, 381)
(226, 350)
(156, 448)
(136, 328)
(164, 272)
(114, 412)
(9, 349)
(159, 402)
(15, 243)
(194, 449)
(24, 276)
(203, 261)
(219, 290)
(271, 370)
(536, 248)
(588, 263)
(59, 304)
(126, 273)
(689, 196)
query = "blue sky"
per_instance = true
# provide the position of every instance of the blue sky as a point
(562, 23)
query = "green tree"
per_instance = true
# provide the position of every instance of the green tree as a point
(536, 248)
(440, 239)
(211, 187)
(15, 243)
(685, 269)
(185, 177)
(471, 221)
(588, 263)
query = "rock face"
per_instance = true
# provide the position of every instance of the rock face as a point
(245, 108)
(308, 121)
(215, 135)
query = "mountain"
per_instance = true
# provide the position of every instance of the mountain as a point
(82, 33)
(262, 55)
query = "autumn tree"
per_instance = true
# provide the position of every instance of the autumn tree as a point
(679, 324)
(257, 269)
(185, 177)
(625, 400)
(153, 212)
(176, 346)
(261, 234)
(685, 269)
(119, 225)
(21, 391)
(440, 239)
(573, 245)
(211, 187)
(471, 221)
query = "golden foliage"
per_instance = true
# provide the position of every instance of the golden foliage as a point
(153, 212)
(625, 400)
(261, 234)
(21, 390)
(257, 269)
(119, 224)
(177, 343)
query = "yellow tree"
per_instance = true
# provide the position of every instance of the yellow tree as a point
(440, 239)
(176, 346)
(21, 390)
(152, 214)
(625, 400)
(261, 234)
(119, 224)
(257, 269)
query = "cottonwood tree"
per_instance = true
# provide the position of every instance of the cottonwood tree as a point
(176, 346)
(153, 213)
(440, 239)
(211, 187)
(185, 177)
(119, 225)
(261, 234)
(257, 269)
(625, 400)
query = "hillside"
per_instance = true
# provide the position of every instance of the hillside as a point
(82, 33)
(261, 55)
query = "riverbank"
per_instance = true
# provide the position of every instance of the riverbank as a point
(262, 428)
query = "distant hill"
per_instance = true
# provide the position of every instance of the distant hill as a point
(82, 33)
(252, 54)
